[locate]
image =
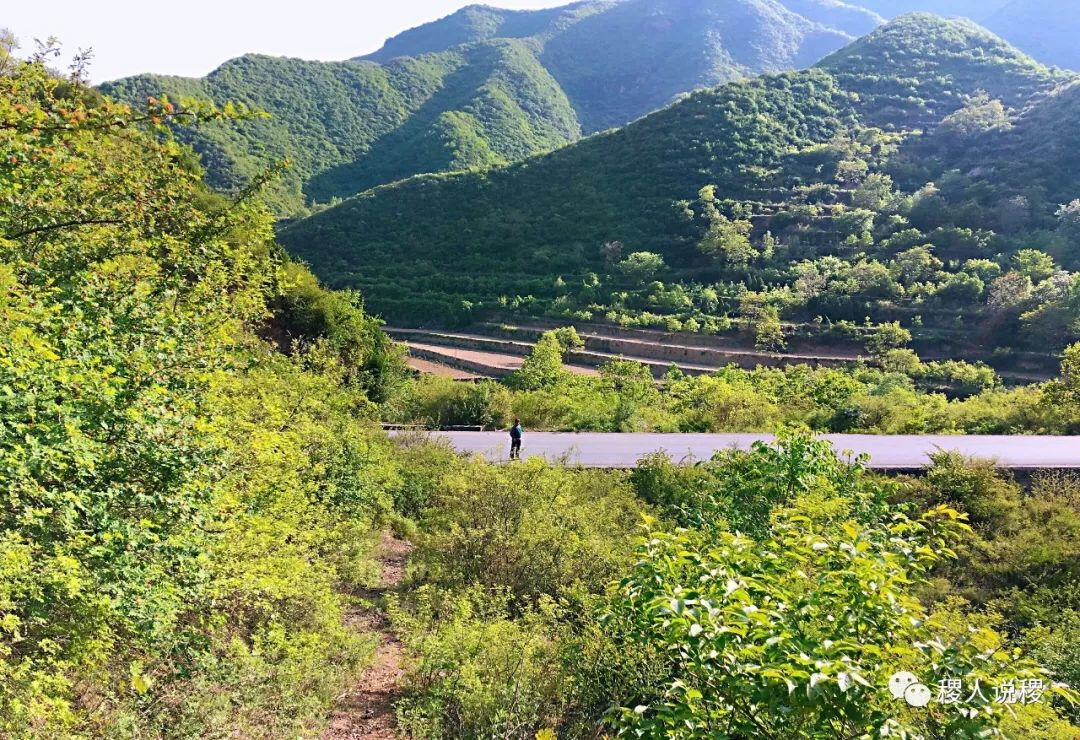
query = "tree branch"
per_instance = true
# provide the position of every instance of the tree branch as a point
(63, 225)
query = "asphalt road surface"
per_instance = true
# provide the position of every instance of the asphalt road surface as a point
(886, 453)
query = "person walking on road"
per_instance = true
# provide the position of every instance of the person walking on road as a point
(516, 433)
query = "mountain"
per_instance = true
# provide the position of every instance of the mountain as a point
(348, 126)
(735, 189)
(638, 55)
(1046, 29)
(918, 68)
(620, 60)
(480, 23)
(486, 86)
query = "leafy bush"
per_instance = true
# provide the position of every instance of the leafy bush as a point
(477, 671)
(797, 636)
(436, 402)
(530, 528)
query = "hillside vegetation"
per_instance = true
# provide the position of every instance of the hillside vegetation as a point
(184, 504)
(875, 185)
(484, 87)
(196, 489)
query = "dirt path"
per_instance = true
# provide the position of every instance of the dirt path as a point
(366, 711)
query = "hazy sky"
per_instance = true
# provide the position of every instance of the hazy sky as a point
(191, 37)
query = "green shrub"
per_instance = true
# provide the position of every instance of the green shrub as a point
(435, 402)
(476, 672)
(531, 528)
(797, 636)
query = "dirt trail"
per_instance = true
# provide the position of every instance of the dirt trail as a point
(366, 711)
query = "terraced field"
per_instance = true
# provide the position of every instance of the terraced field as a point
(497, 350)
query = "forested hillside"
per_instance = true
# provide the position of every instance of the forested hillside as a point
(485, 87)
(183, 502)
(876, 185)
(618, 61)
(349, 126)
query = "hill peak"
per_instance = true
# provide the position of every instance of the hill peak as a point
(935, 63)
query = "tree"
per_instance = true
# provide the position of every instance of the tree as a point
(915, 265)
(612, 253)
(876, 193)
(1034, 264)
(641, 267)
(1065, 391)
(728, 242)
(1010, 291)
(768, 331)
(886, 337)
(1069, 218)
(979, 115)
(544, 365)
(962, 287)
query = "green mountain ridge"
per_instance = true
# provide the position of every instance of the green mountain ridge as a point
(804, 159)
(486, 86)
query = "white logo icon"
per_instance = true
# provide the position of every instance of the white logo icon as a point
(899, 683)
(917, 695)
(906, 686)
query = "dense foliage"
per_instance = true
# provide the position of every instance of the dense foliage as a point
(194, 480)
(183, 505)
(349, 126)
(901, 396)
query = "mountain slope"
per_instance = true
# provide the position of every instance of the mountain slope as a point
(1040, 152)
(792, 164)
(849, 17)
(620, 60)
(516, 228)
(480, 23)
(348, 126)
(1046, 29)
(486, 86)
(638, 55)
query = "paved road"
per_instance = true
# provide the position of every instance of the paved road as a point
(900, 452)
